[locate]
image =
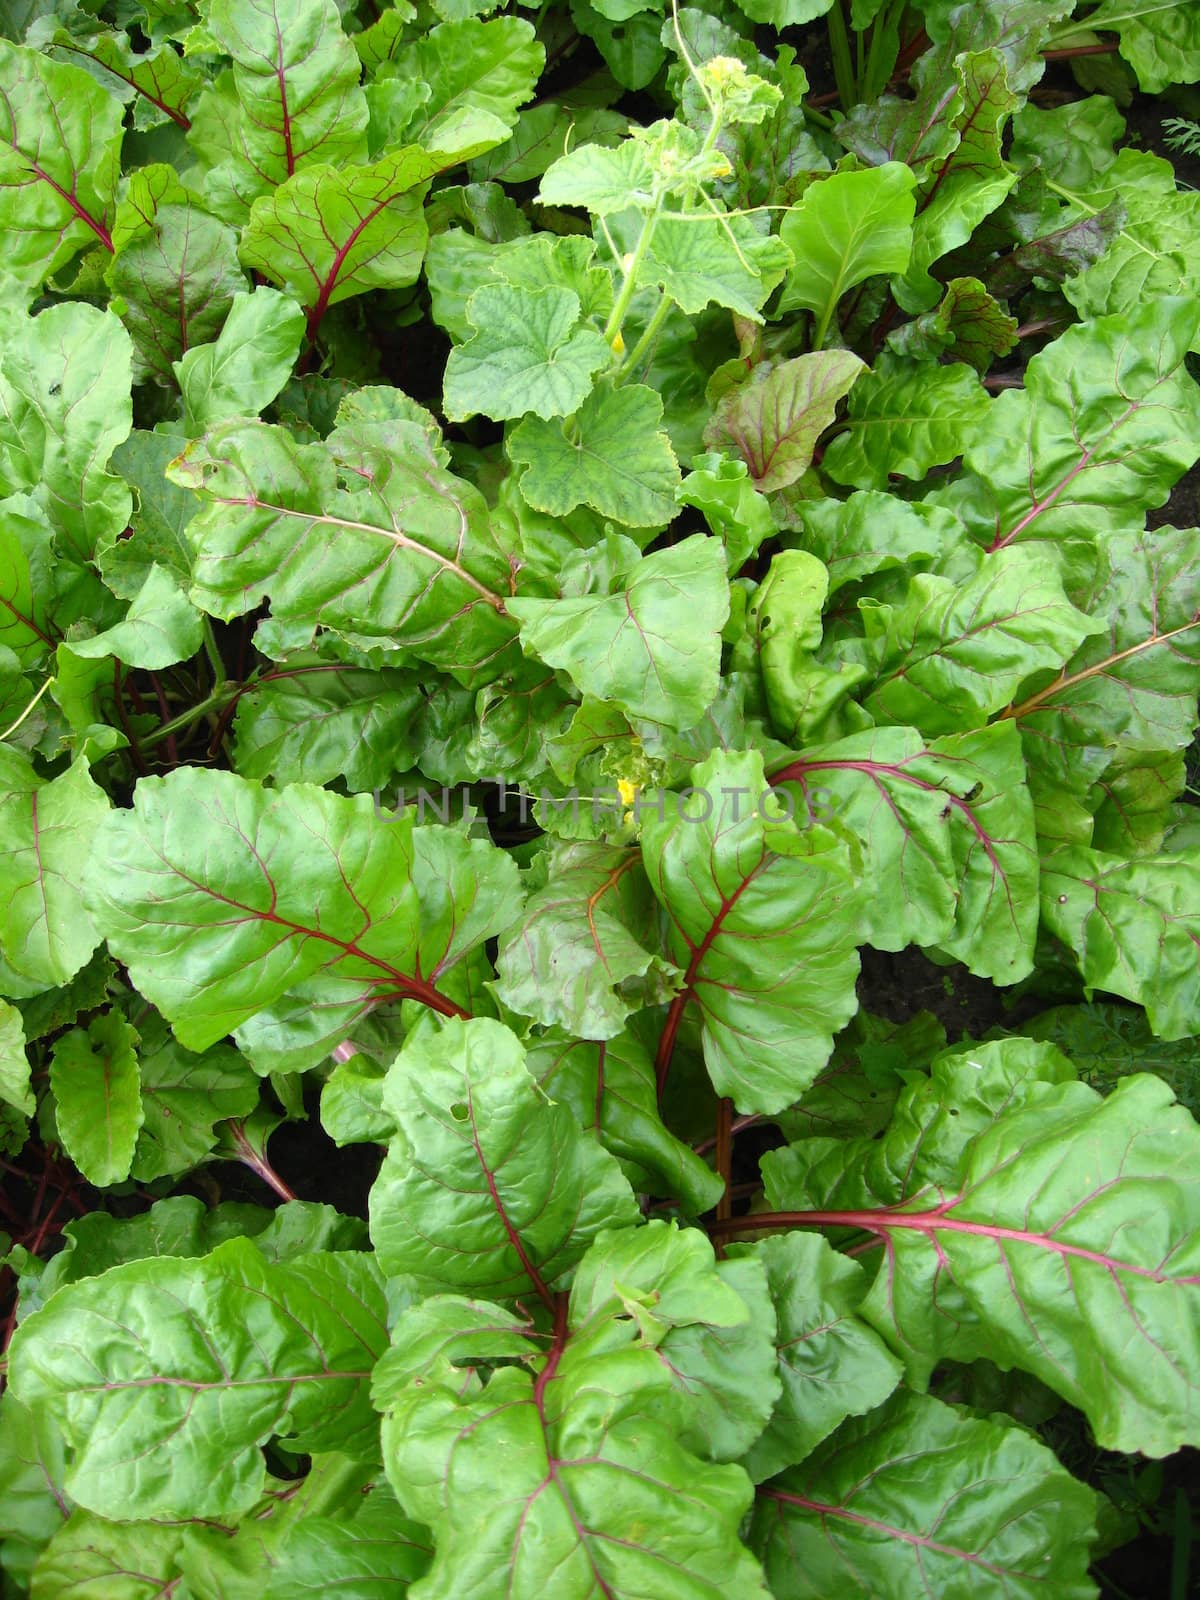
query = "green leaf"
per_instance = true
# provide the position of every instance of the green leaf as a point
(32, 1504)
(527, 353)
(312, 720)
(375, 1554)
(1029, 1219)
(968, 324)
(167, 1376)
(775, 418)
(16, 1089)
(1134, 927)
(247, 365)
(97, 1099)
(183, 1096)
(296, 98)
(612, 456)
(591, 1461)
(574, 957)
(174, 278)
(159, 81)
(1105, 424)
(327, 234)
(956, 650)
(763, 923)
(1107, 1042)
(734, 510)
(60, 152)
(946, 829)
(93, 1559)
(542, 134)
(785, 13)
(1160, 42)
(958, 190)
(334, 908)
(470, 66)
(919, 1497)
(654, 649)
(847, 228)
(832, 1364)
(64, 407)
(871, 532)
(603, 180)
(715, 260)
(487, 1186)
(49, 831)
(157, 536)
(160, 627)
(404, 552)
(903, 418)
(617, 1075)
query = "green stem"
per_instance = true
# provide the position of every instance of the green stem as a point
(843, 67)
(821, 119)
(883, 51)
(617, 316)
(648, 337)
(213, 654)
(219, 697)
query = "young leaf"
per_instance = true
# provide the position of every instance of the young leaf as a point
(833, 1365)
(403, 553)
(15, 1087)
(901, 419)
(295, 74)
(846, 228)
(64, 406)
(968, 324)
(775, 419)
(167, 1375)
(60, 150)
(97, 1097)
(611, 456)
(527, 353)
(574, 957)
(763, 923)
(919, 1497)
(470, 66)
(487, 1187)
(48, 832)
(617, 1077)
(1134, 926)
(719, 260)
(329, 233)
(1161, 43)
(654, 649)
(947, 831)
(247, 365)
(182, 1097)
(292, 893)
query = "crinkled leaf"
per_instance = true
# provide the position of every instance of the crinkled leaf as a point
(312, 720)
(167, 1376)
(160, 627)
(247, 365)
(174, 280)
(1105, 424)
(297, 894)
(94, 1559)
(903, 418)
(470, 65)
(487, 1186)
(97, 1097)
(775, 419)
(968, 324)
(1134, 926)
(60, 148)
(403, 552)
(527, 353)
(610, 1087)
(921, 1498)
(734, 510)
(183, 1096)
(157, 535)
(33, 1506)
(763, 923)
(542, 134)
(575, 956)
(612, 456)
(947, 831)
(64, 407)
(1160, 42)
(846, 228)
(296, 97)
(718, 260)
(48, 832)
(329, 233)
(654, 649)
(15, 1087)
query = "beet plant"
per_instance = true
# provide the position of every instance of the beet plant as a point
(542, 552)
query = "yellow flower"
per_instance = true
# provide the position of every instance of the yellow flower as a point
(627, 791)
